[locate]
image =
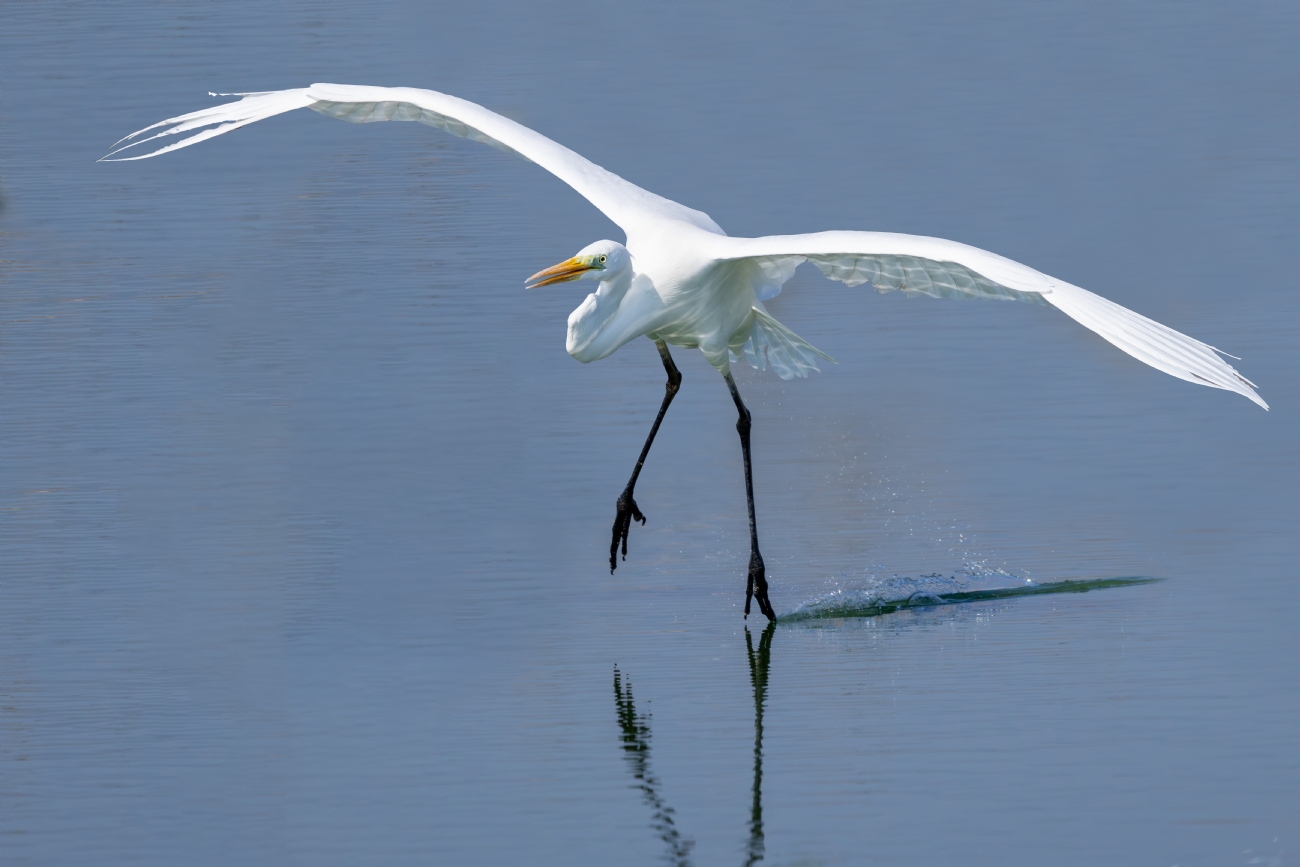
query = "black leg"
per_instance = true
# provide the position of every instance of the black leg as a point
(627, 511)
(757, 584)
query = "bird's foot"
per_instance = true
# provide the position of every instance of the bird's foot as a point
(627, 513)
(756, 587)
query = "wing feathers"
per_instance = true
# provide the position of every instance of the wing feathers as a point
(945, 269)
(633, 208)
(1158, 345)
(370, 112)
(223, 119)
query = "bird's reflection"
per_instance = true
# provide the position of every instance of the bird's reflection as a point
(636, 750)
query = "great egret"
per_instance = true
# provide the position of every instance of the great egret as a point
(680, 280)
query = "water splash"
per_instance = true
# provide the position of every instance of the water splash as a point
(873, 595)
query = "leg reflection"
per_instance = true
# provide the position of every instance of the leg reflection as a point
(636, 749)
(758, 666)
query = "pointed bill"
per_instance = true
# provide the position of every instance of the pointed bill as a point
(569, 269)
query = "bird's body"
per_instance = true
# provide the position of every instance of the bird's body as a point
(681, 281)
(674, 292)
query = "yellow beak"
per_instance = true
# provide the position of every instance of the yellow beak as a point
(569, 269)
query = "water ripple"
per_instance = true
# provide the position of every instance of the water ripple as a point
(874, 595)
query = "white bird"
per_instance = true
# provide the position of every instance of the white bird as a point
(680, 280)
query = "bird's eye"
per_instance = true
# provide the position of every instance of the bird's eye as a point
(602, 260)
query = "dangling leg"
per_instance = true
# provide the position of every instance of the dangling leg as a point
(626, 506)
(757, 585)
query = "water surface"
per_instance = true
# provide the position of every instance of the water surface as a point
(304, 508)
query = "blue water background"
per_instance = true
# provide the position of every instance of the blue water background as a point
(304, 508)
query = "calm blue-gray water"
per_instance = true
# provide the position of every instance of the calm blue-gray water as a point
(304, 509)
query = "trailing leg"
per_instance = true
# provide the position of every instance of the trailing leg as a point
(756, 587)
(626, 507)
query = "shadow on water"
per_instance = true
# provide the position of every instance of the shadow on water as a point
(897, 594)
(636, 749)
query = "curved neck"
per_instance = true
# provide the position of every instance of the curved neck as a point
(592, 315)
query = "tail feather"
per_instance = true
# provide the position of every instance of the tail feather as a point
(771, 342)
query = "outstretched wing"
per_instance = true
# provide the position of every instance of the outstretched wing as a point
(631, 207)
(945, 269)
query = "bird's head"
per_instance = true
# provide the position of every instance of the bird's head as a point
(603, 260)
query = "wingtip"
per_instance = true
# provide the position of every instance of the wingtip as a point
(1249, 390)
(1251, 395)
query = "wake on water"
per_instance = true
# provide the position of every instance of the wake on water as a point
(872, 595)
